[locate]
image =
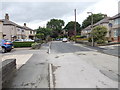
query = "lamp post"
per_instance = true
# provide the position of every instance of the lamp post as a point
(91, 26)
(75, 25)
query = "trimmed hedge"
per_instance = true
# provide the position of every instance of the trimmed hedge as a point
(22, 44)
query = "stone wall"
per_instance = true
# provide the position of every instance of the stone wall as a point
(8, 69)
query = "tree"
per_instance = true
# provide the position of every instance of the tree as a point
(71, 26)
(99, 33)
(43, 32)
(96, 18)
(56, 26)
(40, 36)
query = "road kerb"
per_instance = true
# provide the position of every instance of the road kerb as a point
(51, 86)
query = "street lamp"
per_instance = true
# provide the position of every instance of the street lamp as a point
(91, 26)
(75, 26)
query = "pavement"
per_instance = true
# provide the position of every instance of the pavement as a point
(108, 49)
(33, 73)
(111, 49)
(20, 59)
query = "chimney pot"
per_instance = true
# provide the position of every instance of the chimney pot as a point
(6, 16)
(24, 24)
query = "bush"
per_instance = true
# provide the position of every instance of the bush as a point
(99, 33)
(72, 38)
(36, 45)
(22, 44)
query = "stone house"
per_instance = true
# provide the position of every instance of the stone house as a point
(30, 33)
(1, 26)
(14, 31)
(86, 31)
(103, 22)
(115, 28)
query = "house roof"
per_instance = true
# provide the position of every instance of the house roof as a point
(116, 16)
(8, 22)
(105, 20)
(87, 28)
(27, 28)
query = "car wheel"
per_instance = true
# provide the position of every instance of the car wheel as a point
(3, 50)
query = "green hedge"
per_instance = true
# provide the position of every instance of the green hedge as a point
(22, 44)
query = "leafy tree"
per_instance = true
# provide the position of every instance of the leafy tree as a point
(96, 18)
(40, 35)
(71, 26)
(43, 32)
(99, 33)
(56, 26)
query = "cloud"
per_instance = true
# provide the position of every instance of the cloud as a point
(30, 11)
(38, 13)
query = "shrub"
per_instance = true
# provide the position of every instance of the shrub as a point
(36, 45)
(22, 44)
(99, 33)
(72, 38)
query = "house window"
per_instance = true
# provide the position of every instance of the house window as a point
(30, 32)
(22, 30)
(116, 33)
(117, 21)
(18, 29)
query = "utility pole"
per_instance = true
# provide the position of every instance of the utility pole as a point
(75, 25)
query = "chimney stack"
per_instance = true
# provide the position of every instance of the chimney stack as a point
(6, 16)
(25, 24)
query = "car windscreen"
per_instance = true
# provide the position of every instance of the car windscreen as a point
(8, 41)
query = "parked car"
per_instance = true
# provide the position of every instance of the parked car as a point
(6, 45)
(23, 40)
(18, 40)
(28, 40)
(65, 40)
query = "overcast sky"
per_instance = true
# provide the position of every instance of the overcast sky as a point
(37, 13)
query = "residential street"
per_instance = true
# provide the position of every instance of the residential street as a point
(60, 44)
(67, 65)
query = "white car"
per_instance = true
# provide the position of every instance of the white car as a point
(65, 40)
(29, 40)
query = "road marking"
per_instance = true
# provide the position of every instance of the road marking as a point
(51, 86)
(49, 48)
